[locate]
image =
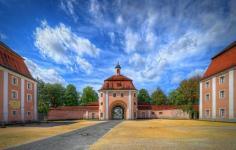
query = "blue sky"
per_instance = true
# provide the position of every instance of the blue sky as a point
(158, 43)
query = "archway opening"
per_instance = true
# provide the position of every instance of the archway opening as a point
(118, 113)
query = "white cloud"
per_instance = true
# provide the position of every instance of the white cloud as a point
(64, 46)
(68, 7)
(131, 40)
(2, 36)
(48, 75)
(195, 72)
(119, 20)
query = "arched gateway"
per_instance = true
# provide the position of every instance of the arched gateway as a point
(118, 113)
(117, 97)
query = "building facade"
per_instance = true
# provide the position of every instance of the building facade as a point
(118, 100)
(117, 97)
(218, 87)
(18, 90)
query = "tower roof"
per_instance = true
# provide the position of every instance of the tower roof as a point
(118, 66)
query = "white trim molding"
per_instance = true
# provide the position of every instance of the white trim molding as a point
(107, 105)
(22, 100)
(129, 101)
(200, 102)
(214, 97)
(231, 94)
(35, 101)
(5, 96)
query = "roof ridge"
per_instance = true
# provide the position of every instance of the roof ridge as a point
(10, 49)
(225, 49)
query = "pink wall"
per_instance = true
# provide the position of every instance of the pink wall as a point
(63, 113)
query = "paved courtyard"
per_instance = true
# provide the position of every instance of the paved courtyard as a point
(169, 135)
(138, 134)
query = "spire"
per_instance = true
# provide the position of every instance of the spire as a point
(118, 68)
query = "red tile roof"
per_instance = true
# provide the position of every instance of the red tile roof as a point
(222, 61)
(13, 61)
(118, 82)
(118, 78)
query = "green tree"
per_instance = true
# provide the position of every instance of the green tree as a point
(71, 96)
(158, 97)
(88, 95)
(143, 96)
(55, 94)
(43, 102)
(176, 98)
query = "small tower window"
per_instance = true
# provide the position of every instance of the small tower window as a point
(121, 94)
(134, 94)
(101, 94)
(114, 94)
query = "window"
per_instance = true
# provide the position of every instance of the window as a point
(222, 94)
(207, 113)
(29, 86)
(153, 113)
(101, 95)
(207, 97)
(134, 94)
(121, 94)
(14, 94)
(28, 113)
(14, 80)
(160, 113)
(134, 103)
(101, 115)
(222, 113)
(222, 79)
(29, 97)
(114, 94)
(93, 115)
(134, 114)
(101, 103)
(207, 84)
(14, 113)
(118, 84)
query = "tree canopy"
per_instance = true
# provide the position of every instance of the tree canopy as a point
(71, 96)
(88, 95)
(158, 97)
(143, 96)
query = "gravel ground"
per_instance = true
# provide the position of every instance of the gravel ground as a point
(76, 140)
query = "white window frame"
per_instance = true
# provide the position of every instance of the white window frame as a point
(220, 94)
(220, 114)
(28, 100)
(222, 76)
(12, 80)
(16, 94)
(208, 97)
(207, 84)
(29, 83)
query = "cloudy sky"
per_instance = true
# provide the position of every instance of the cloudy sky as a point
(158, 43)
